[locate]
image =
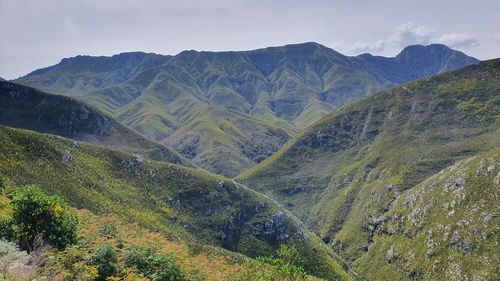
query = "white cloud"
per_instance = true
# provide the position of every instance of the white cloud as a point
(363, 47)
(458, 40)
(411, 34)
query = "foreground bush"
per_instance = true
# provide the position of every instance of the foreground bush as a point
(283, 267)
(39, 215)
(104, 260)
(157, 267)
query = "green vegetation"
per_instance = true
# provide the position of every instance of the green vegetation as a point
(284, 266)
(104, 260)
(180, 202)
(27, 108)
(131, 253)
(227, 111)
(445, 228)
(157, 267)
(370, 179)
(342, 175)
(36, 214)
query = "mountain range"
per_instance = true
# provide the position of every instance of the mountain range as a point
(366, 167)
(349, 175)
(227, 111)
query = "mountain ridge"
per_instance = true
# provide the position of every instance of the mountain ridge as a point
(341, 175)
(28, 108)
(282, 89)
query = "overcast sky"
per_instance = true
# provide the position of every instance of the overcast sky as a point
(36, 33)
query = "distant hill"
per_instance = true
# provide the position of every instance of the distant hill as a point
(276, 91)
(183, 204)
(342, 175)
(28, 108)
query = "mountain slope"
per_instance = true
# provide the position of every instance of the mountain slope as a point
(445, 228)
(181, 202)
(342, 174)
(28, 108)
(275, 90)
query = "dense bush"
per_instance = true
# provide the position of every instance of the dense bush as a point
(157, 267)
(39, 215)
(104, 259)
(284, 266)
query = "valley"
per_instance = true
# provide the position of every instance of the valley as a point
(283, 163)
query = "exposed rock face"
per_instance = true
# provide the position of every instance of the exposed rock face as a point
(445, 228)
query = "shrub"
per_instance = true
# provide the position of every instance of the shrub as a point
(140, 259)
(286, 266)
(157, 267)
(104, 260)
(37, 214)
(289, 254)
(10, 252)
(83, 272)
(107, 230)
(166, 269)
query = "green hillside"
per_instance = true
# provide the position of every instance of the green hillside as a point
(181, 261)
(28, 108)
(276, 91)
(445, 228)
(180, 202)
(342, 175)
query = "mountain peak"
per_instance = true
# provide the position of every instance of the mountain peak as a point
(416, 61)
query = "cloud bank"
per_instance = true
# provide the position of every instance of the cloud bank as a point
(411, 34)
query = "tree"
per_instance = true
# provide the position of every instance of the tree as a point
(37, 214)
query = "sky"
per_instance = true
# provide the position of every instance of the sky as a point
(39, 33)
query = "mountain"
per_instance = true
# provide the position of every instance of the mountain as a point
(445, 228)
(28, 108)
(342, 175)
(418, 61)
(184, 99)
(1, 79)
(182, 203)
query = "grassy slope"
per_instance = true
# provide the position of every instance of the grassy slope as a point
(28, 108)
(445, 228)
(197, 261)
(182, 203)
(283, 88)
(341, 175)
(226, 142)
